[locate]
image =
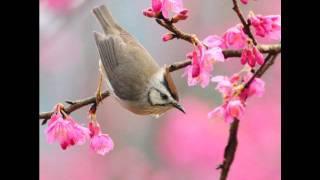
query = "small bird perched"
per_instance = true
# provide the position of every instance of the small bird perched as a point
(132, 75)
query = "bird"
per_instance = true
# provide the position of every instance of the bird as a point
(132, 75)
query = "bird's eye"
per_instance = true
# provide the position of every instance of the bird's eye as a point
(163, 96)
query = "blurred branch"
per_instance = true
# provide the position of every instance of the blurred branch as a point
(246, 25)
(230, 149)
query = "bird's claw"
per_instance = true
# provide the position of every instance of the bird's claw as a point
(99, 92)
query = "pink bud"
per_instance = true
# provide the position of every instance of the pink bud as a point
(244, 1)
(167, 37)
(149, 13)
(156, 5)
(182, 15)
(258, 55)
(251, 58)
(94, 128)
(195, 65)
(184, 12)
(244, 56)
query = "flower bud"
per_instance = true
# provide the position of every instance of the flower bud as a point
(167, 37)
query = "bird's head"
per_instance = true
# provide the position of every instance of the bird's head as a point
(162, 91)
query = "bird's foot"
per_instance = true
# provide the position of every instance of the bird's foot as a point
(99, 92)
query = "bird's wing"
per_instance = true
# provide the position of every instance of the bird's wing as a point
(128, 68)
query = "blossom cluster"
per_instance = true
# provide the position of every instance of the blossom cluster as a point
(62, 128)
(210, 51)
(163, 7)
(235, 93)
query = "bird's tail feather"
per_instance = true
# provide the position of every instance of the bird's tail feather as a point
(106, 20)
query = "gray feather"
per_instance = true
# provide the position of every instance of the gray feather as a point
(104, 17)
(128, 66)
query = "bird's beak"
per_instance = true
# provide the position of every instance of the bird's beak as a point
(178, 106)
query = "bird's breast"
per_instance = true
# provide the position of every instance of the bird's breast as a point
(143, 109)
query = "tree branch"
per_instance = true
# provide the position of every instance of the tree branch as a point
(246, 25)
(270, 49)
(75, 105)
(169, 25)
(231, 147)
(266, 66)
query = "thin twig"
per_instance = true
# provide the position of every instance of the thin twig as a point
(257, 72)
(270, 49)
(169, 25)
(267, 65)
(246, 25)
(74, 106)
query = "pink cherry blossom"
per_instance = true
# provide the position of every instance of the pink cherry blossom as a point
(218, 112)
(256, 88)
(234, 38)
(66, 131)
(228, 111)
(244, 1)
(203, 60)
(233, 102)
(55, 116)
(56, 113)
(175, 6)
(225, 85)
(267, 26)
(59, 130)
(215, 54)
(200, 69)
(235, 108)
(213, 41)
(166, 6)
(251, 56)
(79, 134)
(100, 143)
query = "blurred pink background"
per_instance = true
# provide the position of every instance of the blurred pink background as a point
(175, 146)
